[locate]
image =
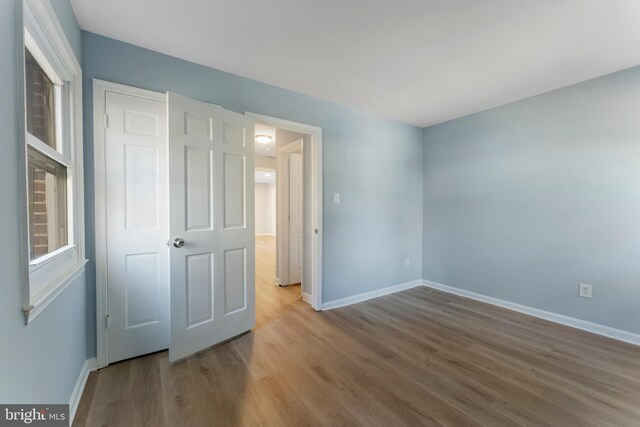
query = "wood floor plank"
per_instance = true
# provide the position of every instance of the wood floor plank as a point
(376, 405)
(419, 357)
(464, 395)
(377, 375)
(512, 339)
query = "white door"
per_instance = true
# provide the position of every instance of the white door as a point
(137, 225)
(212, 225)
(295, 218)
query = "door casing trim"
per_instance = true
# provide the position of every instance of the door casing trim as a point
(315, 151)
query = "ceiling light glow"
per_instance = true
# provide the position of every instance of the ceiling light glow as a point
(264, 139)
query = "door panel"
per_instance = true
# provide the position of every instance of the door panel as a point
(234, 190)
(140, 123)
(141, 186)
(142, 290)
(200, 288)
(295, 218)
(234, 134)
(212, 275)
(235, 284)
(199, 188)
(137, 226)
(198, 126)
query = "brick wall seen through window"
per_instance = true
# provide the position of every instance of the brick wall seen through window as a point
(40, 102)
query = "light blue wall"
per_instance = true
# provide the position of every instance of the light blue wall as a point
(39, 363)
(69, 23)
(376, 164)
(525, 201)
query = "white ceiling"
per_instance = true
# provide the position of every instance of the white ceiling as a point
(417, 61)
(265, 149)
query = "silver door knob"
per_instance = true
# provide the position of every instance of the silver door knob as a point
(178, 242)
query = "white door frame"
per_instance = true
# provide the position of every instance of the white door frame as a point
(316, 197)
(100, 87)
(282, 221)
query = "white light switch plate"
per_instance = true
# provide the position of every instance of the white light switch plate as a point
(585, 290)
(336, 198)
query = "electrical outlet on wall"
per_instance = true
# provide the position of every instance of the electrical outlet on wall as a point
(585, 290)
(407, 262)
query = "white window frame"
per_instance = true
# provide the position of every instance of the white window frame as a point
(47, 276)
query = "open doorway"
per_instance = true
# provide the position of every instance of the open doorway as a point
(284, 224)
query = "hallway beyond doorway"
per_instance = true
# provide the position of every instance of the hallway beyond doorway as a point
(272, 301)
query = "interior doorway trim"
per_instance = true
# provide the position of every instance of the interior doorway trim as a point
(100, 88)
(316, 197)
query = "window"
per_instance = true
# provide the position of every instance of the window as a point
(53, 251)
(46, 176)
(47, 194)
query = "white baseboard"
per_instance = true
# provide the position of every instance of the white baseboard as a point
(89, 366)
(595, 328)
(265, 234)
(306, 297)
(369, 295)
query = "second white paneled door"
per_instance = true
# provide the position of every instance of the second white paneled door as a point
(211, 225)
(136, 224)
(295, 218)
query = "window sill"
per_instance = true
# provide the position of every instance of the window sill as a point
(50, 257)
(48, 293)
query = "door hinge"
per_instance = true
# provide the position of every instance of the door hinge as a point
(106, 121)
(108, 321)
